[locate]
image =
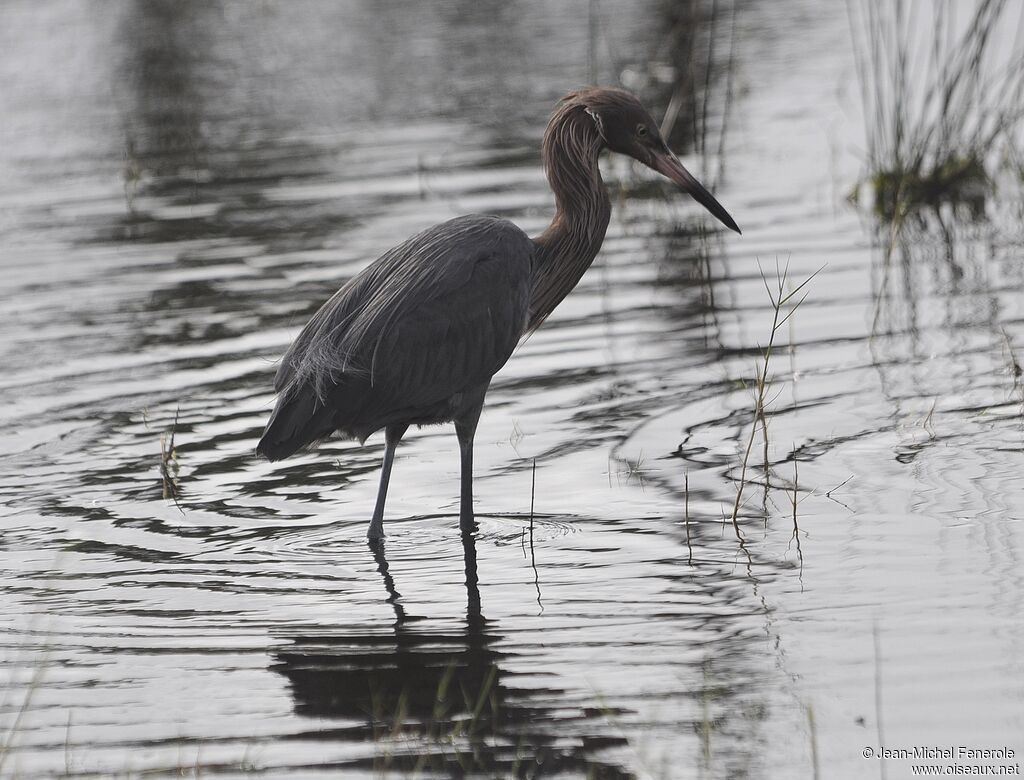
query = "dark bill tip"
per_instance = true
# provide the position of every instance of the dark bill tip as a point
(668, 165)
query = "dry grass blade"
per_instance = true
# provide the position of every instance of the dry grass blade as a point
(795, 500)
(169, 466)
(879, 729)
(686, 516)
(780, 299)
(813, 728)
(7, 744)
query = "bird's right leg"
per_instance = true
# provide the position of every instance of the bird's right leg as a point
(392, 435)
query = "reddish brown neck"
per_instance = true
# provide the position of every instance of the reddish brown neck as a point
(566, 249)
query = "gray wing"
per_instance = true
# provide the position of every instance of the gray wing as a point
(433, 317)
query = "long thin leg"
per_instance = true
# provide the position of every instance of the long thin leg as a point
(465, 429)
(392, 435)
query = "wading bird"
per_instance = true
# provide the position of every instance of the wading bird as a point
(415, 338)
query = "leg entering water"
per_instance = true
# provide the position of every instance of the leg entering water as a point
(474, 619)
(392, 435)
(465, 429)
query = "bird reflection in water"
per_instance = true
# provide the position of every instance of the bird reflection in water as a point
(439, 701)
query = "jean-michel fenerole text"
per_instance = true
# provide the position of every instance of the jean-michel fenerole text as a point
(951, 753)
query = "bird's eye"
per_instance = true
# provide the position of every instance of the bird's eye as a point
(641, 130)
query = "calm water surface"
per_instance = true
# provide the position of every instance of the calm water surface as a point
(181, 186)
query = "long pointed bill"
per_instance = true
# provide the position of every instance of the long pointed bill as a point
(667, 164)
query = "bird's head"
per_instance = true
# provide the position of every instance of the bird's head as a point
(626, 127)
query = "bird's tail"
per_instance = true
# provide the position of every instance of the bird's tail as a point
(298, 420)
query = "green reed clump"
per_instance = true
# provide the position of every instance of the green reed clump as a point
(942, 83)
(956, 180)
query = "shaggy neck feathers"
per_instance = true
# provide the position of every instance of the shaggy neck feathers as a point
(571, 146)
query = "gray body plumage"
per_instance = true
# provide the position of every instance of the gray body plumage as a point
(414, 338)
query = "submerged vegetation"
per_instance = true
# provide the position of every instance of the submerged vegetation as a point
(942, 84)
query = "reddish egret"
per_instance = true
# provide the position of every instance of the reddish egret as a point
(415, 338)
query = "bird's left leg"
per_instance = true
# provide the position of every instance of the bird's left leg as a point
(392, 435)
(465, 429)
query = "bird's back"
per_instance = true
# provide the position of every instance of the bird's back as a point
(404, 340)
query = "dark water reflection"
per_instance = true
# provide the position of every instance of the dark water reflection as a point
(183, 184)
(440, 702)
